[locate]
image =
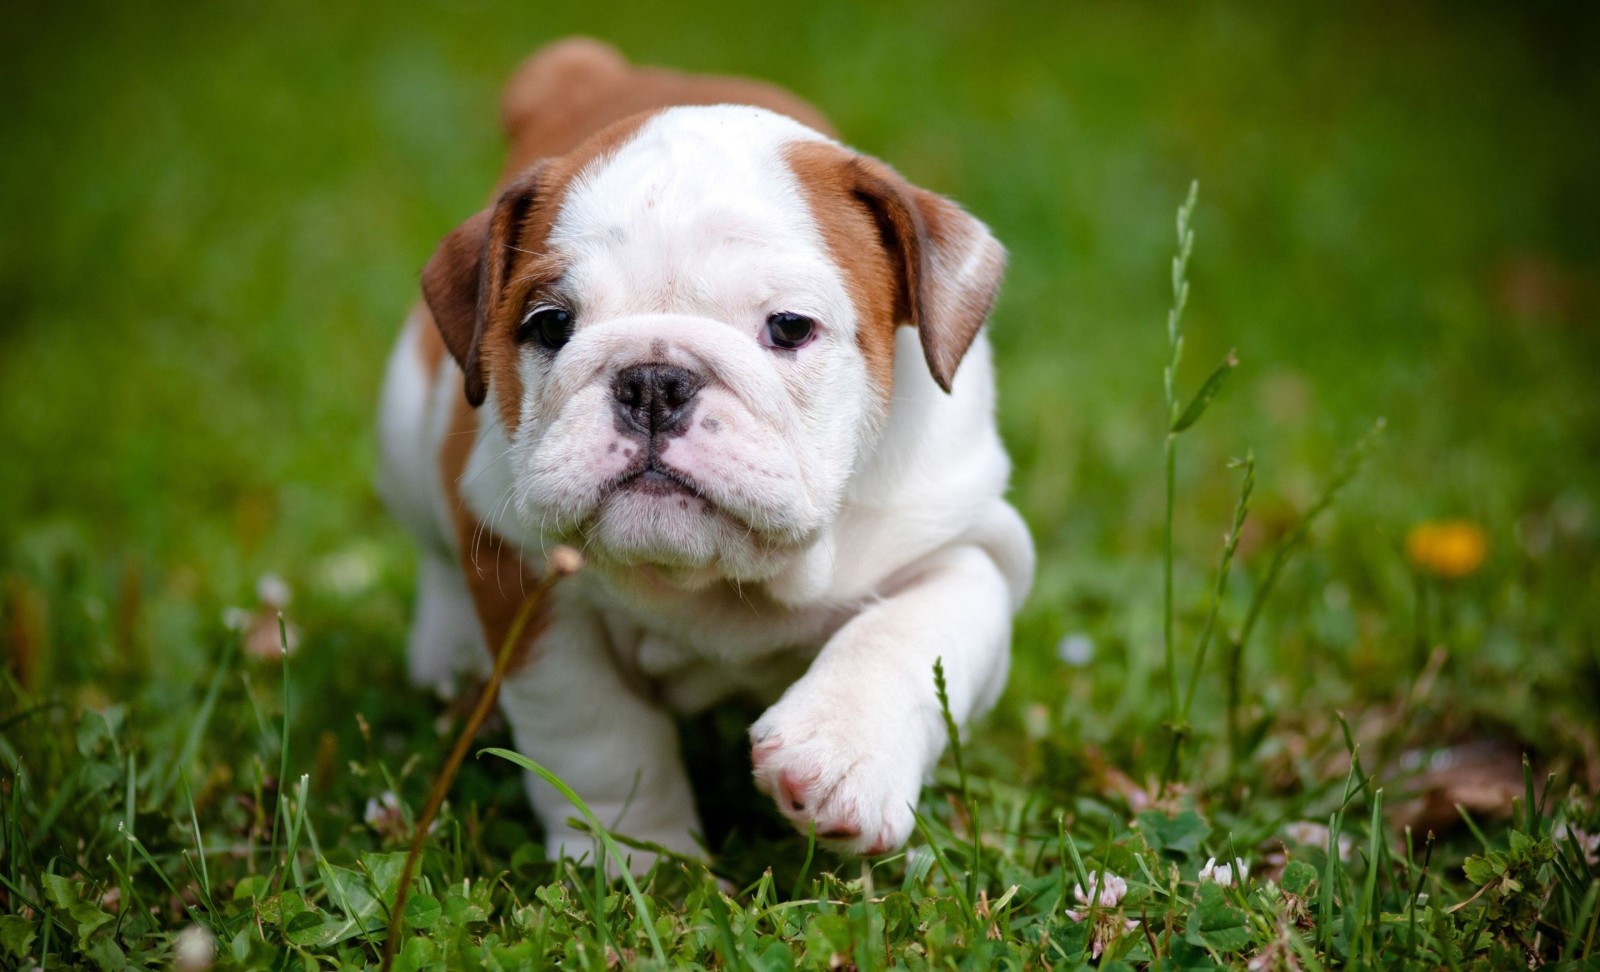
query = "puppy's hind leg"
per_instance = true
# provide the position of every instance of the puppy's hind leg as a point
(446, 639)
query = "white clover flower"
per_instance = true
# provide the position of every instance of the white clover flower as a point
(273, 591)
(1223, 874)
(349, 572)
(385, 815)
(1109, 924)
(1112, 889)
(381, 808)
(1076, 649)
(1316, 835)
(194, 949)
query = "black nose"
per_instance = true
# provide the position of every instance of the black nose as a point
(654, 399)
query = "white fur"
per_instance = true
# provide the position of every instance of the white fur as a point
(838, 550)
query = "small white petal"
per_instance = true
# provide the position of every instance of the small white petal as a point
(349, 572)
(1076, 649)
(1316, 835)
(194, 949)
(1115, 888)
(1111, 889)
(273, 591)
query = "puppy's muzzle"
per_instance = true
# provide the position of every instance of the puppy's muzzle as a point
(655, 401)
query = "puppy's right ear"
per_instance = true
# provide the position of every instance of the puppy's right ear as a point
(464, 278)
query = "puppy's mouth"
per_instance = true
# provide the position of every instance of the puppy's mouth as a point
(652, 478)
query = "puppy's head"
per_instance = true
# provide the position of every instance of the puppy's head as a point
(686, 329)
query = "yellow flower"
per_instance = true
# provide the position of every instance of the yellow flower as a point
(1448, 548)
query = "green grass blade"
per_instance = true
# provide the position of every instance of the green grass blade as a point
(805, 866)
(957, 887)
(560, 786)
(1207, 393)
(283, 742)
(1367, 917)
(726, 944)
(953, 735)
(197, 728)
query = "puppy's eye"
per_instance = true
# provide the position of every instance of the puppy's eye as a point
(790, 331)
(550, 326)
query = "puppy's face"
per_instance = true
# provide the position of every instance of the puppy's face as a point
(686, 329)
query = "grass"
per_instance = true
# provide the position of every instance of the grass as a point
(214, 219)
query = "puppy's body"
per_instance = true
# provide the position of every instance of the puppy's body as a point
(812, 526)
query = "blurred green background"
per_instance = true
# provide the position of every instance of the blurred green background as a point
(215, 213)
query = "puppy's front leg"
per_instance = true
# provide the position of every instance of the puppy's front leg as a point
(571, 713)
(847, 746)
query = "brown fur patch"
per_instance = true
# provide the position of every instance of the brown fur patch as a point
(855, 243)
(497, 577)
(943, 266)
(427, 343)
(573, 88)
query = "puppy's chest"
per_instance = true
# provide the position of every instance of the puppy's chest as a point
(690, 651)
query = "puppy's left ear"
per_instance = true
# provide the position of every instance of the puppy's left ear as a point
(463, 280)
(949, 263)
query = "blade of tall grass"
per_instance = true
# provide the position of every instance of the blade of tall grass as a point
(197, 728)
(727, 945)
(1345, 471)
(15, 848)
(613, 852)
(150, 861)
(1230, 544)
(1416, 889)
(1594, 920)
(283, 741)
(957, 887)
(805, 866)
(291, 850)
(49, 927)
(202, 872)
(130, 805)
(953, 734)
(867, 958)
(1367, 915)
(1180, 297)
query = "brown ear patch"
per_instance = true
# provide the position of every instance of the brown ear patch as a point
(961, 272)
(450, 282)
(854, 237)
(908, 256)
(473, 281)
(466, 275)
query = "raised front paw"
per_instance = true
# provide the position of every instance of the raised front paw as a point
(855, 781)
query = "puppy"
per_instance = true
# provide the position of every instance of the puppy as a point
(741, 367)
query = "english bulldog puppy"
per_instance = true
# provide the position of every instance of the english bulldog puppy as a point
(742, 368)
